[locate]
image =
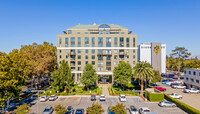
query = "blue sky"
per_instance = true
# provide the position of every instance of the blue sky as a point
(173, 22)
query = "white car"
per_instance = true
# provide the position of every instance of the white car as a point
(53, 98)
(166, 104)
(178, 82)
(169, 83)
(102, 98)
(179, 86)
(191, 90)
(44, 98)
(144, 110)
(122, 98)
(176, 96)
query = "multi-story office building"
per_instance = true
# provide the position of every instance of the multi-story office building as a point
(192, 78)
(146, 52)
(104, 46)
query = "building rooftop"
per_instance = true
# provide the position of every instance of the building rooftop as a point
(94, 26)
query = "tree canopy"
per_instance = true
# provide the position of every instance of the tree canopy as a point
(119, 108)
(143, 71)
(89, 76)
(22, 109)
(62, 77)
(60, 109)
(95, 109)
(122, 73)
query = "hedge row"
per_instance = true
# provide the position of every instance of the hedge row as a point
(182, 105)
(109, 89)
(101, 90)
(97, 91)
(155, 96)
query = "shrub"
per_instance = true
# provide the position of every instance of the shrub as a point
(109, 89)
(101, 90)
(97, 91)
(155, 96)
(182, 105)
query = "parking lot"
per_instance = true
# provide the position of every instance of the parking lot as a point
(190, 99)
(84, 102)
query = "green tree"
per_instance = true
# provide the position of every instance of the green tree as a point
(62, 77)
(143, 71)
(156, 77)
(122, 73)
(89, 76)
(41, 58)
(119, 108)
(60, 109)
(95, 109)
(22, 109)
(180, 53)
(156, 50)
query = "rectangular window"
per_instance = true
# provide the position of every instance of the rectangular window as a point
(108, 68)
(127, 56)
(108, 52)
(192, 80)
(197, 81)
(93, 51)
(79, 62)
(115, 51)
(115, 57)
(127, 42)
(115, 62)
(79, 56)
(100, 42)
(133, 51)
(115, 42)
(194, 73)
(69, 31)
(72, 42)
(100, 31)
(108, 42)
(93, 42)
(86, 62)
(122, 32)
(100, 68)
(86, 42)
(60, 42)
(86, 32)
(133, 42)
(107, 32)
(121, 42)
(66, 42)
(78, 32)
(93, 56)
(100, 51)
(86, 57)
(86, 51)
(133, 56)
(79, 68)
(93, 62)
(79, 51)
(79, 42)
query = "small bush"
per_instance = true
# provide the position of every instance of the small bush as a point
(109, 89)
(97, 91)
(101, 90)
(155, 96)
(182, 105)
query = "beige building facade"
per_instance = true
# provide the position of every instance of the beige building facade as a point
(103, 46)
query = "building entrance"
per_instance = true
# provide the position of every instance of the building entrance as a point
(105, 79)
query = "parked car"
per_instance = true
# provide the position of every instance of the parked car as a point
(102, 98)
(70, 110)
(169, 83)
(122, 98)
(181, 78)
(53, 98)
(191, 90)
(165, 82)
(144, 110)
(93, 97)
(166, 104)
(133, 110)
(153, 85)
(179, 86)
(44, 98)
(48, 110)
(160, 88)
(178, 82)
(173, 84)
(109, 111)
(176, 96)
(79, 111)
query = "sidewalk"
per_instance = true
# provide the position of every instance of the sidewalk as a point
(105, 91)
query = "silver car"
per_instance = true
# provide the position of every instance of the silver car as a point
(166, 104)
(48, 110)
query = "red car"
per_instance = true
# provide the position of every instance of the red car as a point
(160, 88)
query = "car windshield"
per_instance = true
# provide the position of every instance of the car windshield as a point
(79, 112)
(146, 110)
(43, 97)
(123, 97)
(102, 96)
(46, 110)
(133, 109)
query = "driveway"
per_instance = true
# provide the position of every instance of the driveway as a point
(190, 99)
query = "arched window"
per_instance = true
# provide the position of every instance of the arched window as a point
(104, 26)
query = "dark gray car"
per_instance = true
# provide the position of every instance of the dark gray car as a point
(93, 97)
(48, 110)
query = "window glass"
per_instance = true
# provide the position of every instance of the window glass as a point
(93, 51)
(66, 42)
(127, 42)
(78, 32)
(133, 42)
(79, 42)
(86, 57)
(108, 42)
(100, 42)
(69, 31)
(86, 51)
(93, 42)
(115, 42)
(72, 42)
(86, 42)
(60, 42)
(79, 51)
(121, 42)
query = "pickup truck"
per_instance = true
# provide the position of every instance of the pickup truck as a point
(176, 96)
(191, 90)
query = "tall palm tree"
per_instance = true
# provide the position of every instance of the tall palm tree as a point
(143, 71)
